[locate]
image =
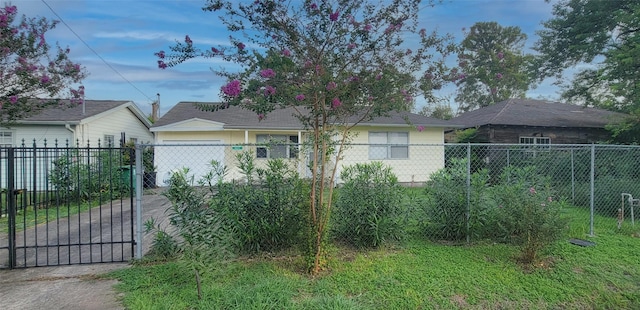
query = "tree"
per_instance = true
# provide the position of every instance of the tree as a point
(336, 62)
(31, 73)
(492, 66)
(605, 35)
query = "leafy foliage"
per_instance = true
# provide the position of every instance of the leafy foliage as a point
(266, 212)
(32, 72)
(369, 207)
(604, 33)
(492, 66)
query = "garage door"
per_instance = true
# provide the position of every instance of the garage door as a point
(172, 155)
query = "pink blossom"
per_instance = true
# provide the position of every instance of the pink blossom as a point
(161, 64)
(313, 6)
(215, 50)
(286, 52)
(267, 73)
(331, 85)
(532, 190)
(300, 97)
(13, 99)
(378, 76)
(494, 90)
(420, 128)
(351, 46)
(240, 46)
(10, 9)
(368, 27)
(462, 76)
(335, 103)
(187, 40)
(498, 76)
(423, 32)
(260, 116)
(500, 55)
(354, 78)
(269, 90)
(232, 89)
(334, 16)
(160, 54)
(409, 51)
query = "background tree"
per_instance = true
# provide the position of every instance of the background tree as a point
(492, 66)
(336, 62)
(32, 74)
(604, 34)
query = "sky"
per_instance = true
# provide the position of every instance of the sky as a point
(115, 40)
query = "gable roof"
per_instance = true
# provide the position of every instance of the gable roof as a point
(537, 113)
(82, 113)
(235, 117)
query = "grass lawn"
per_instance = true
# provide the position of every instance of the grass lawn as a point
(414, 275)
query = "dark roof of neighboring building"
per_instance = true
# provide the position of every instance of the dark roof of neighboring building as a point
(240, 118)
(74, 114)
(538, 113)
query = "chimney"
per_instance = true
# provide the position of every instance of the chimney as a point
(155, 109)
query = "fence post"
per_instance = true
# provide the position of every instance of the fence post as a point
(468, 215)
(573, 180)
(592, 194)
(11, 210)
(139, 184)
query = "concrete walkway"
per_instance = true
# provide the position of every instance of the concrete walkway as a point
(75, 286)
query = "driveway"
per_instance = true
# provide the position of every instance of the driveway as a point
(75, 286)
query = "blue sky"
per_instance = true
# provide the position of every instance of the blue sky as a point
(115, 41)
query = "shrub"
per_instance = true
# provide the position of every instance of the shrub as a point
(368, 210)
(448, 205)
(527, 214)
(266, 211)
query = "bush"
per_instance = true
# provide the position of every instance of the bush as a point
(526, 213)
(76, 177)
(266, 211)
(368, 210)
(447, 206)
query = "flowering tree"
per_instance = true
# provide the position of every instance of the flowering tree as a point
(30, 72)
(492, 66)
(336, 62)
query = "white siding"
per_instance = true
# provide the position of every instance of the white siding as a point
(122, 120)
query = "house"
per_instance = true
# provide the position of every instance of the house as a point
(186, 136)
(527, 121)
(96, 121)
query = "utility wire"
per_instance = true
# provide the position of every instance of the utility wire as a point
(89, 47)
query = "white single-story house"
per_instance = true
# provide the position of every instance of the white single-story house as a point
(103, 121)
(95, 123)
(411, 144)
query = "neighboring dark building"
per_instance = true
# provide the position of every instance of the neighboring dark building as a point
(527, 121)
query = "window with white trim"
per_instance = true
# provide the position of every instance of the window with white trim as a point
(388, 145)
(276, 146)
(109, 140)
(544, 141)
(6, 138)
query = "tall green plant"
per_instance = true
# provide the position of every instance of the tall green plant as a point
(369, 206)
(205, 235)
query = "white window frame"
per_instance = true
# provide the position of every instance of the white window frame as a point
(268, 146)
(109, 140)
(388, 145)
(7, 138)
(536, 141)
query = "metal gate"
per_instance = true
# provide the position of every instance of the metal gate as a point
(66, 205)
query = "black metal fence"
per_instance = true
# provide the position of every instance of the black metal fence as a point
(66, 205)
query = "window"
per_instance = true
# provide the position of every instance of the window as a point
(276, 146)
(543, 141)
(6, 138)
(109, 140)
(388, 145)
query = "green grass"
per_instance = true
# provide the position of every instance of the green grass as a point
(415, 275)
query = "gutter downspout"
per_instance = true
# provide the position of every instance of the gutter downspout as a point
(73, 132)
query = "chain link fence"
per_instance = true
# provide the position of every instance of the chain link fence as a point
(599, 184)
